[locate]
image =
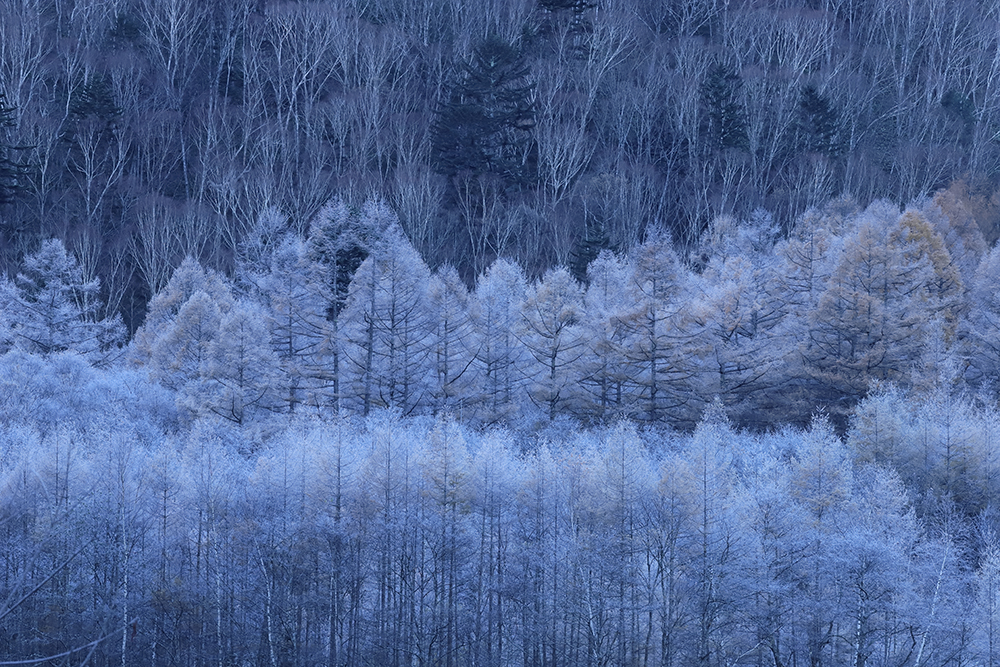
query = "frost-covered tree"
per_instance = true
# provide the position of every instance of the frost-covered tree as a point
(738, 315)
(661, 351)
(892, 285)
(602, 366)
(188, 278)
(181, 353)
(821, 484)
(501, 356)
(385, 329)
(341, 237)
(980, 329)
(454, 342)
(296, 302)
(210, 347)
(51, 307)
(552, 310)
(242, 374)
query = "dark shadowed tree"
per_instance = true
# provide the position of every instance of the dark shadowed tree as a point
(484, 127)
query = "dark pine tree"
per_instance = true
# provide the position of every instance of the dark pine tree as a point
(819, 124)
(485, 126)
(726, 119)
(576, 6)
(962, 111)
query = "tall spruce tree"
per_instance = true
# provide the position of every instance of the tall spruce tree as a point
(726, 118)
(484, 127)
(819, 124)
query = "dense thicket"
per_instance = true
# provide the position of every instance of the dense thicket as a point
(318, 539)
(146, 131)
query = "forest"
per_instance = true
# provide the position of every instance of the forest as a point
(787, 454)
(139, 132)
(517, 332)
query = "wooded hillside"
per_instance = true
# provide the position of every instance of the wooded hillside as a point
(140, 132)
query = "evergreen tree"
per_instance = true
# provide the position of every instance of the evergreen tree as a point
(576, 6)
(52, 308)
(726, 119)
(485, 125)
(819, 124)
(340, 238)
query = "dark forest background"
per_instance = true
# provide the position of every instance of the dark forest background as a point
(141, 132)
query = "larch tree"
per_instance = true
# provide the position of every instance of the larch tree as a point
(500, 358)
(385, 328)
(661, 352)
(187, 279)
(454, 342)
(297, 301)
(552, 311)
(182, 326)
(739, 315)
(874, 317)
(980, 335)
(181, 353)
(602, 366)
(876, 561)
(822, 480)
(242, 371)
(341, 237)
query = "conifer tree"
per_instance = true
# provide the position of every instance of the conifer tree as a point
(12, 172)
(498, 322)
(603, 367)
(179, 343)
(51, 307)
(660, 347)
(552, 312)
(819, 124)
(340, 238)
(726, 120)
(454, 342)
(485, 125)
(980, 330)
(385, 329)
(876, 314)
(738, 316)
(297, 301)
(242, 371)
